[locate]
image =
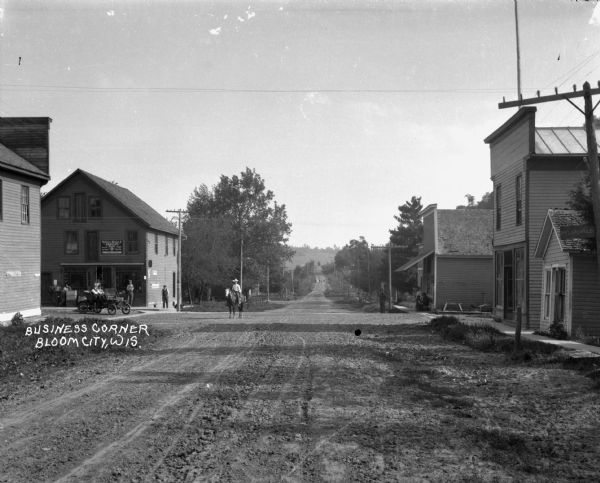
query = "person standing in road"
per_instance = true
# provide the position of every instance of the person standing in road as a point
(382, 298)
(129, 290)
(165, 297)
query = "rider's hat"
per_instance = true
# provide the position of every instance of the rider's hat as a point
(235, 280)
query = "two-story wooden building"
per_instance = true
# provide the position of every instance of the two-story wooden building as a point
(533, 169)
(24, 169)
(455, 263)
(93, 229)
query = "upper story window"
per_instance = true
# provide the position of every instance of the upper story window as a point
(498, 205)
(64, 208)
(156, 243)
(71, 243)
(79, 213)
(519, 200)
(95, 207)
(0, 200)
(174, 246)
(132, 242)
(166, 244)
(25, 205)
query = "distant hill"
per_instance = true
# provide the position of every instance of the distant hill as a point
(305, 254)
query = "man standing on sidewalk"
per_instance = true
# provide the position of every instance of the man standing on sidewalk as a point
(165, 297)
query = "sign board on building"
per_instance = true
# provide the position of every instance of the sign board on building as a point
(111, 247)
(577, 231)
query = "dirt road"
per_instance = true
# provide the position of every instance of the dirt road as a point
(295, 395)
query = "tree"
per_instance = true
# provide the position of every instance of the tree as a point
(486, 202)
(408, 235)
(355, 259)
(238, 220)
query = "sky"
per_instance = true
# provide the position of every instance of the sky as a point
(345, 108)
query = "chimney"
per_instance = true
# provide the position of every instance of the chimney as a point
(28, 137)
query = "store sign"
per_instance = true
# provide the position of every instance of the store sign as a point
(111, 247)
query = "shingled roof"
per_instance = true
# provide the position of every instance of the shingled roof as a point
(464, 231)
(13, 162)
(557, 220)
(129, 201)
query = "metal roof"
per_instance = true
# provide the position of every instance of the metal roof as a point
(561, 140)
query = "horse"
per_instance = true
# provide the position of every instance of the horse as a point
(235, 303)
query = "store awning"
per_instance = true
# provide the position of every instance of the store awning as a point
(414, 261)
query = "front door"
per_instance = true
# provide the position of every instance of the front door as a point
(91, 246)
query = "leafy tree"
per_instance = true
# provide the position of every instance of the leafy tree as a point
(487, 202)
(581, 199)
(408, 235)
(237, 217)
(355, 259)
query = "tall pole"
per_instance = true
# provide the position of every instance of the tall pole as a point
(268, 284)
(592, 162)
(241, 262)
(390, 276)
(179, 297)
(518, 53)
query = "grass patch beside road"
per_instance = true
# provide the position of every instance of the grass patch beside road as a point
(486, 338)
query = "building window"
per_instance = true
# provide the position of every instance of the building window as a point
(156, 243)
(166, 244)
(132, 242)
(25, 205)
(95, 207)
(547, 293)
(559, 276)
(79, 207)
(174, 247)
(0, 200)
(498, 202)
(71, 243)
(519, 200)
(64, 208)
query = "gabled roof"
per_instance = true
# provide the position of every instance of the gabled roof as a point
(13, 162)
(129, 201)
(555, 221)
(464, 231)
(561, 140)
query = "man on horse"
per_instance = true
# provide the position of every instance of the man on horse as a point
(236, 291)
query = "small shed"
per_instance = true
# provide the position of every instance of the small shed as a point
(570, 283)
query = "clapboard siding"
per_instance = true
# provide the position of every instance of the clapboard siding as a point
(547, 189)
(163, 267)
(509, 232)
(20, 249)
(586, 302)
(466, 280)
(429, 232)
(114, 224)
(512, 146)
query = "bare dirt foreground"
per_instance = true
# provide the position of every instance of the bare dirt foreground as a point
(295, 395)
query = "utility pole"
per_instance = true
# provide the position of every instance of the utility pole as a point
(592, 146)
(389, 247)
(518, 52)
(179, 298)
